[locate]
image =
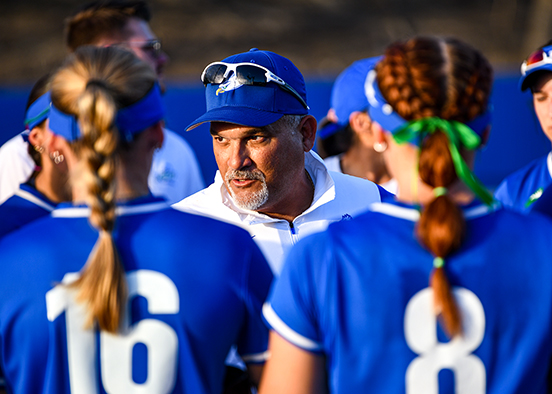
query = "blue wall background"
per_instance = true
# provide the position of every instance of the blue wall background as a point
(516, 137)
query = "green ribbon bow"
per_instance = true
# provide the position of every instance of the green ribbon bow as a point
(457, 133)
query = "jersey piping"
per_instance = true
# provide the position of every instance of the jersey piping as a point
(286, 332)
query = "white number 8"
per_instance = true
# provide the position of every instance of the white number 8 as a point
(116, 350)
(420, 328)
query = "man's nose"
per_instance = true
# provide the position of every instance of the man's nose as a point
(239, 156)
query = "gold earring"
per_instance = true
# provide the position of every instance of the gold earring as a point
(38, 148)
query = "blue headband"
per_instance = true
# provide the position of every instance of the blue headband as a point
(38, 111)
(381, 111)
(129, 120)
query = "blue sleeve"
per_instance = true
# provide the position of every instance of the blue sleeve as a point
(291, 310)
(384, 194)
(257, 278)
(501, 194)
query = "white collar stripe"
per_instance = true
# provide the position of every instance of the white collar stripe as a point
(34, 199)
(77, 212)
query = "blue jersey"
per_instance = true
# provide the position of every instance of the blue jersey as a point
(26, 205)
(522, 188)
(358, 294)
(196, 287)
(544, 203)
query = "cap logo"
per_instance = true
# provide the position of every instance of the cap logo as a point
(231, 84)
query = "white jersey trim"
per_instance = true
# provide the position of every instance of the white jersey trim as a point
(78, 212)
(481, 210)
(256, 358)
(34, 199)
(414, 215)
(393, 210)
(549, 163)
(286, 332)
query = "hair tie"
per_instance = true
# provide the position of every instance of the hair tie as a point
(459, 135)
(438, 262)
(440, 191)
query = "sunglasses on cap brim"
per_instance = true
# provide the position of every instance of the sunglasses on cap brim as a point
(536, 59)
(246, 74)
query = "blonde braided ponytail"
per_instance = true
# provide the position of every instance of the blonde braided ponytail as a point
(92, 85)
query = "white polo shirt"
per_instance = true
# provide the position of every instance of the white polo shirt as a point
(336, 197)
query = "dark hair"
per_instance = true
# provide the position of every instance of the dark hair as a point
(336, 143)
(102, 18)
(39, 88)
(443, 77)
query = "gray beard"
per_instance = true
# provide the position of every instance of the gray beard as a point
(253, 200)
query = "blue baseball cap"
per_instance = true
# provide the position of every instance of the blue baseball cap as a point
(348, 94)
(536, 63)
(255, 105)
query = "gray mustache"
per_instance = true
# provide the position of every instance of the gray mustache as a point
(235, 174)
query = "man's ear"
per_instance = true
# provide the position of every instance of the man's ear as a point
(307, 127)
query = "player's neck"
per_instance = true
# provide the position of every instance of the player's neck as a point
(364, 162)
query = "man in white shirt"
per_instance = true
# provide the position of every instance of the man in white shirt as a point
(269, 181)
(175, 172)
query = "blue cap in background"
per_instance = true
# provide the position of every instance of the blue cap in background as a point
(348, 95)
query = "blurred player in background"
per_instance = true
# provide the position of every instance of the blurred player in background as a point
(345, 137)
(47, 185)
(175, 172)
(522, 188)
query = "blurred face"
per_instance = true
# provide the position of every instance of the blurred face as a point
(542, 101)
(261, 168)
(139, 39)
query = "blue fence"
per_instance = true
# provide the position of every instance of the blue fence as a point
(516, 137)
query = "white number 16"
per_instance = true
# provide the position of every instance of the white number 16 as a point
(116, 350)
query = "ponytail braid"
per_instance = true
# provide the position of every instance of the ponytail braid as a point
(93, 85)
(441, 226)
(102, 283)
(428, 77)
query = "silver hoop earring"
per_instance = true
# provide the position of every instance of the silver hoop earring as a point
(57, 157)
(380, 147)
